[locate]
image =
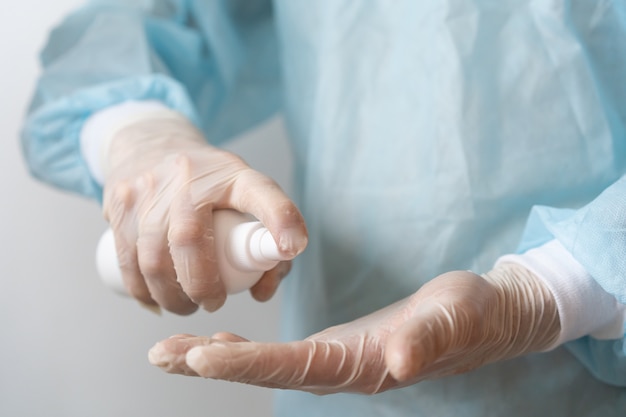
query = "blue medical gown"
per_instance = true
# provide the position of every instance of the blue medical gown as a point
(428, 136)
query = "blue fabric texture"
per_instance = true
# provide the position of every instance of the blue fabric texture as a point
(428, 136)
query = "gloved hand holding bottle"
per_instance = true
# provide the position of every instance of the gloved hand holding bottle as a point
(455, 323)
(162, 182)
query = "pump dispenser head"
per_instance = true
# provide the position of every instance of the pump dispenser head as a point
(250, 247)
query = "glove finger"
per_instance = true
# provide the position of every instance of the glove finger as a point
(445, 330)
(265, 364)
(417, 344)
(309, 365)
(157, 268)
(129, 267)
(153, 254)
(267, 286)
(192, 247)
(169, 354)
(259, 195)
(118, 208)
(192, 250)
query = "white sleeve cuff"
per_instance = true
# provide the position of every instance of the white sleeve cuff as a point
(584, 307)
(101, 126)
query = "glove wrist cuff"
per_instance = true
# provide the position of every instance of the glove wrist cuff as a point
(100, 128)
(527, 309)
(584, 307)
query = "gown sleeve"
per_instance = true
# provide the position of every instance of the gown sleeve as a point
(214, 62)
(595, 235)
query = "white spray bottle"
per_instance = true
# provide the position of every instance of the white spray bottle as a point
(244, 250)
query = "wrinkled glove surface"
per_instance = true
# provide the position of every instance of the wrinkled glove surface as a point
(163, 181)
(457, 322)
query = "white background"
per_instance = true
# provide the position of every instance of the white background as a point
(69, 346)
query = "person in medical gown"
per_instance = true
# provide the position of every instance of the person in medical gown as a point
(459, 224)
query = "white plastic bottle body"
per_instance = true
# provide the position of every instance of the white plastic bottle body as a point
(244, 250)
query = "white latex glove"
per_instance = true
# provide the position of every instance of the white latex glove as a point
(162, 183)
(453, 324)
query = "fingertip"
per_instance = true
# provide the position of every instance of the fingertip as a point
(214, 303)
(196, 360)
(267, 286)
(152, 307)
(263, 293)
(415, 345)
(155, 355)
(403, 361)
(293, 241)
(170, 354)
(164, 357)
(283, 218)
(210, 294)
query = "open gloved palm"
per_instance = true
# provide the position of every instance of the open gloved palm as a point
(455, 323)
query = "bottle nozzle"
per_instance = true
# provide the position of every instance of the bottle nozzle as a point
(251, 247)
(263, 246)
